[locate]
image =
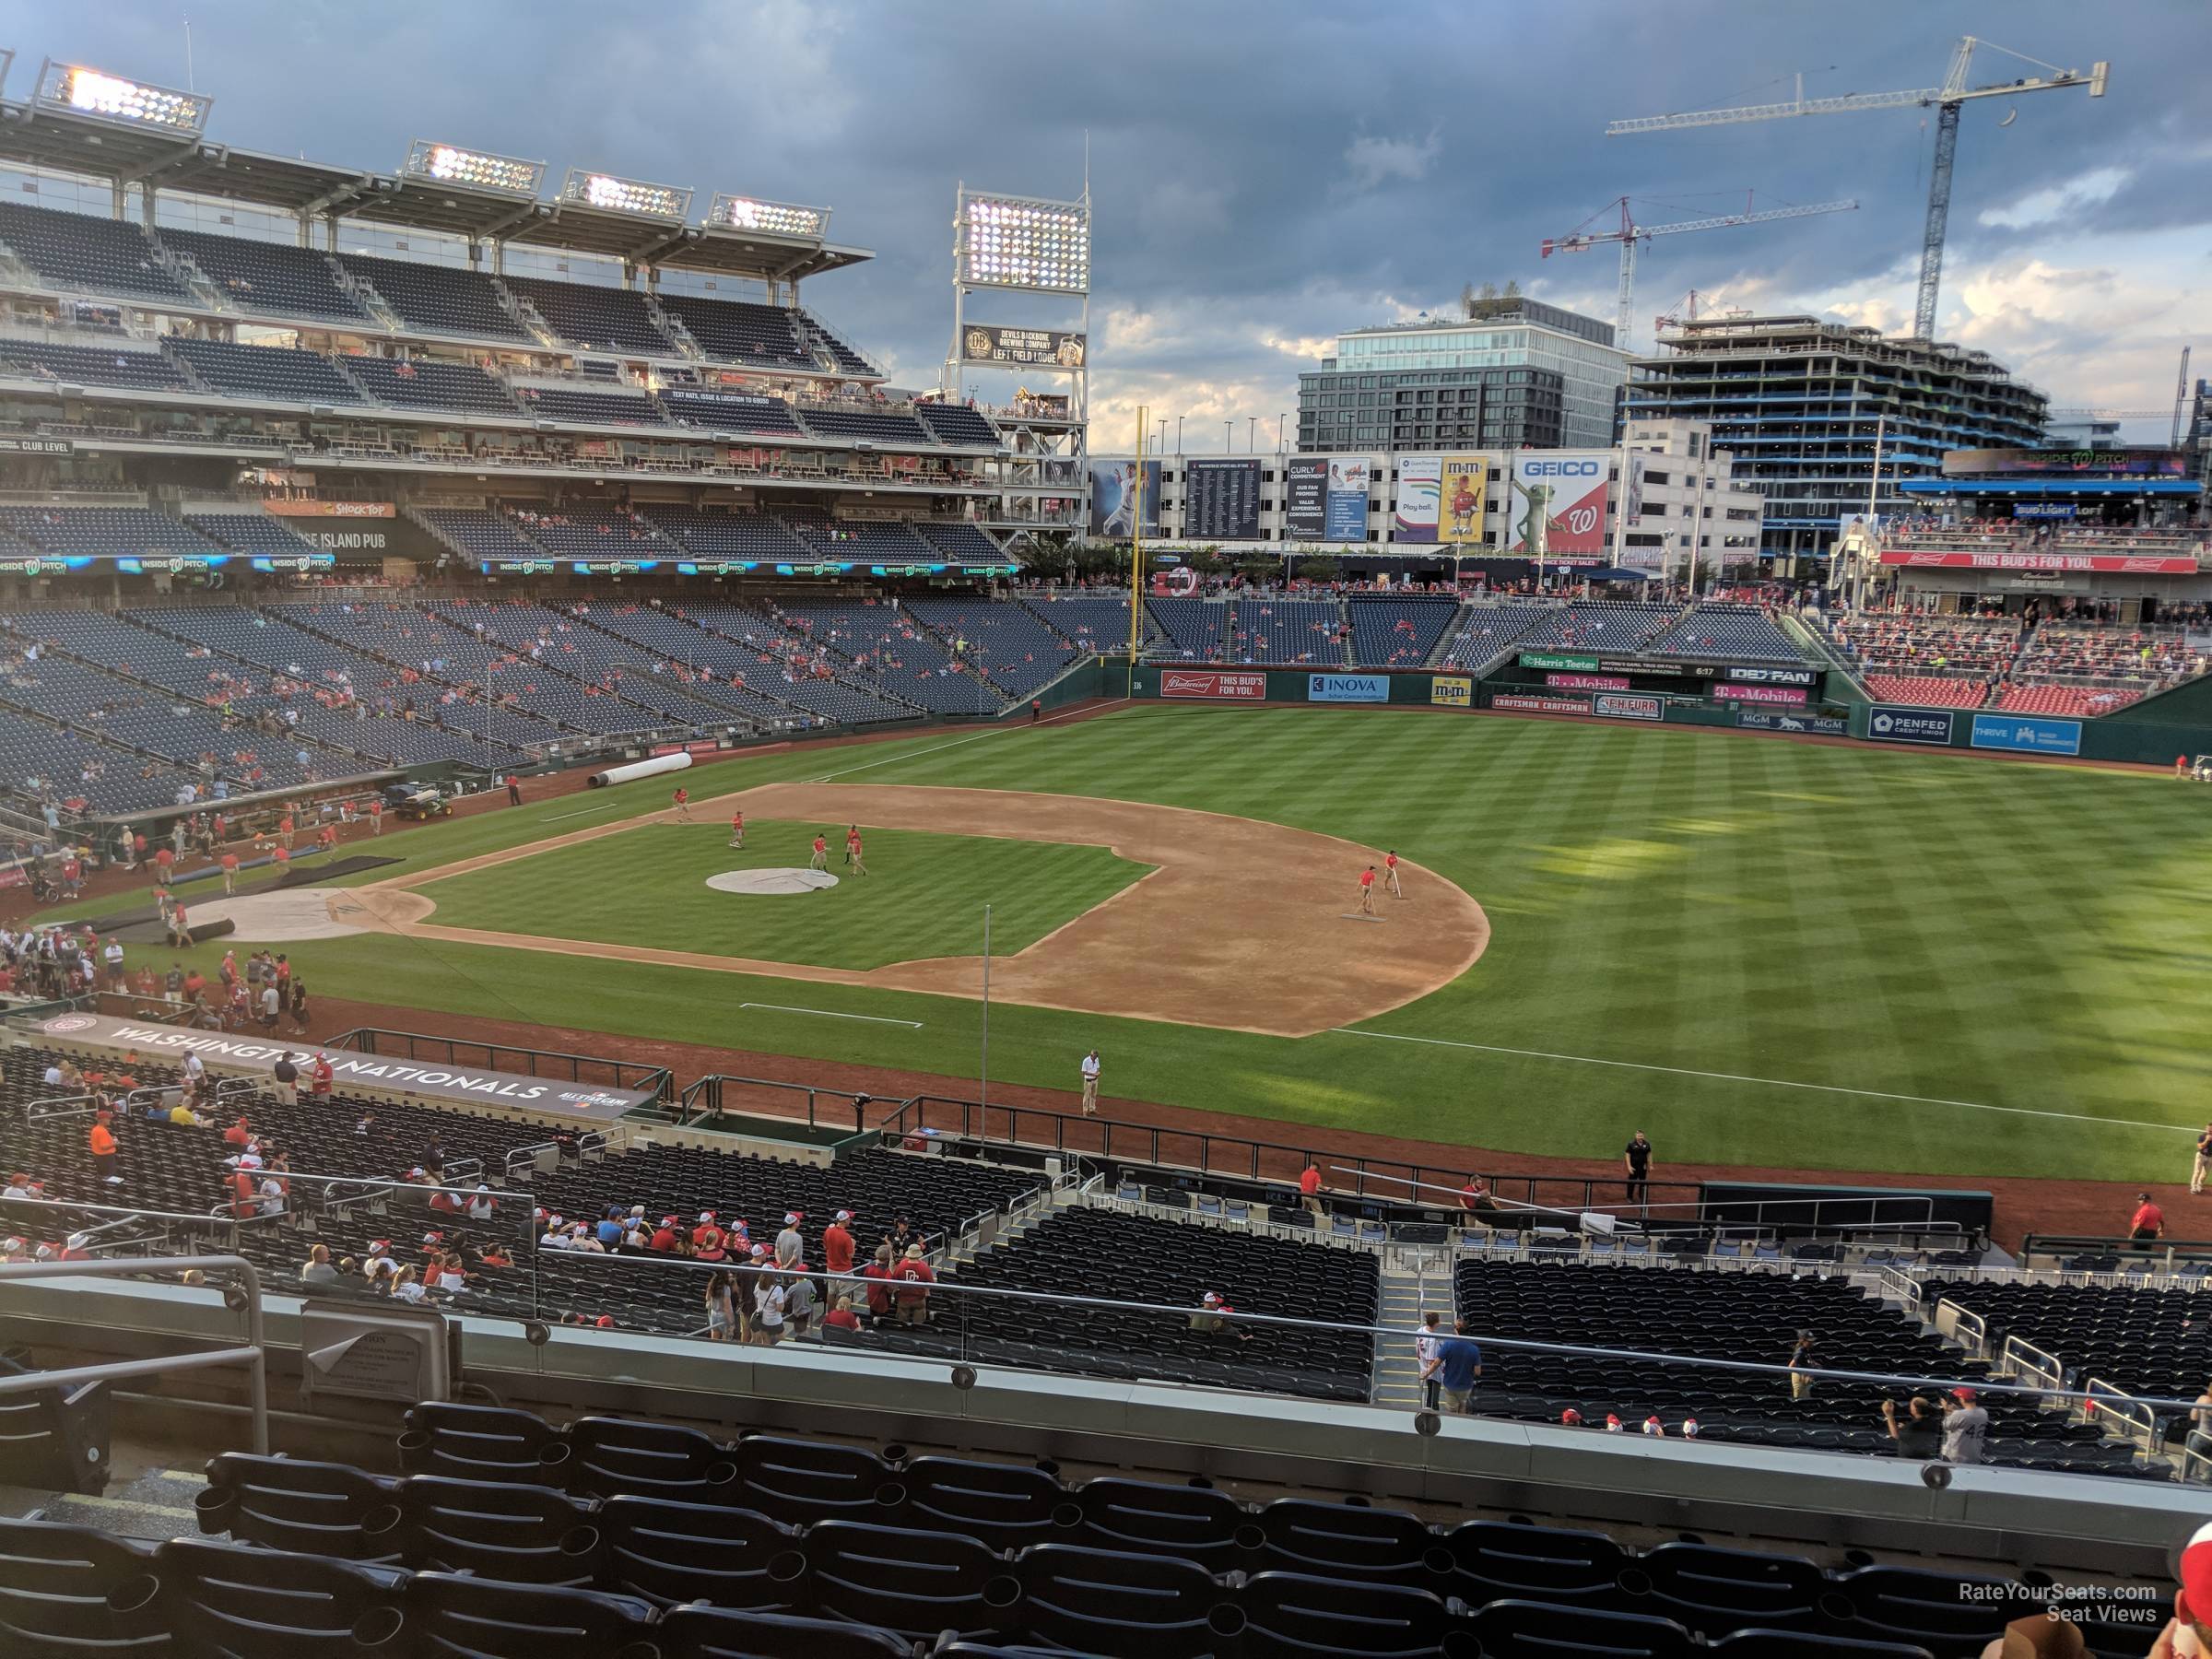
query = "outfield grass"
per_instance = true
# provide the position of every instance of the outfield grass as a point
(1742, 929)
(924, 895)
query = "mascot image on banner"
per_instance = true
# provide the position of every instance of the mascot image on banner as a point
(1565, 491)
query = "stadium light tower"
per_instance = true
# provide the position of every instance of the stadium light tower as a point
(478, 169)
(588, 189)
(774, 219)
(74, 89)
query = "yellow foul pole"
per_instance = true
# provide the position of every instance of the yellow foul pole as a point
(1137, 554)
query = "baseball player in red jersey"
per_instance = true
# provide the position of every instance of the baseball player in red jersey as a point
(1366, 891)
(738, 829)
(1390, 876)
(682, 804)
(821, 852)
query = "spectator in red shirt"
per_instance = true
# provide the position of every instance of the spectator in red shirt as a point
(913, 1276)
(1308, 1187)
(878, 1275)
(842, 1316)
(837, 1244)
(324, 1077)
(238, 1135)
(663, 1236)
(2149, 1221)
(229, 863)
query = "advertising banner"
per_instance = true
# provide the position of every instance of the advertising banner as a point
(368, 1073)
(11, 445)
(1221, 500)
(1459, 484)
(2126, 462)
(1554, 659)
(1020, 347)
(1420, 483)
(1347, 513)
(1519, 704)
(1886, 723)
(1760, 694)
(1348, 688)
(1588, 682)
(1769, 720)
(1305, 498)
(1775, 677)
(2045, 509)
(1114, 497)
(1216, 684)
(291, 507)
(1568, 487)
(1617, 707)
(1451, 692)
(2116, 564)
(2025, 735)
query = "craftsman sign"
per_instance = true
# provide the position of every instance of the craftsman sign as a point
(370, 1074)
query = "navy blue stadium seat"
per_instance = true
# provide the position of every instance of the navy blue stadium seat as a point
(265, 1604)
(483, 1443)
(72, 1592)
(1532, 1629)
(1098, 1601)
(669, 1552)
(54, 1437)
(291, 1503)
(727, 1633)
(521, 1535)
(452, 1615)
(614, 1456)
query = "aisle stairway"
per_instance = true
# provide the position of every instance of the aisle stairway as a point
(1396, 1378)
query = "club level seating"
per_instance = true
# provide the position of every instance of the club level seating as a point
(1191, 629)
(594, 319)
(1287, 630)
(478, 533)
(427, 383)
(1916, 644)
(962, 541)
(1136, 1258)
(588, 408)
(120, 364)
(740, 331)
(48, 764)
(1395, 632)
(591, 531)
(1736, 633)
(957, 425)
(98, 255)
(859, 539)
(251, 533)
(1489, 628)
(440, 299)
(576, 1540)
(1018, 653)
(739, 536)
(1927, 690)
(881, 427)
(1096, 622)
(730, 412)
(2145, 1341)
(265, 371)
(845, 360)
(104, 532)
(269, 279)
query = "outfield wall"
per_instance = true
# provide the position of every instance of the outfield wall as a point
(2179, 722)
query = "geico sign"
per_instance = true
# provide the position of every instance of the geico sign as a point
(1558, 469)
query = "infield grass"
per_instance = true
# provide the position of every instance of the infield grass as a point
(924, 895)
(1753, 948)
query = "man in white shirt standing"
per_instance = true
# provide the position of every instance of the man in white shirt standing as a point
(1428, 1345)
(1091, 1083)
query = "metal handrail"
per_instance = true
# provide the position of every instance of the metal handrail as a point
(2103, 1401)
(254, 1353)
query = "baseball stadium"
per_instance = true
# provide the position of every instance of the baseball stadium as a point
(561, 826)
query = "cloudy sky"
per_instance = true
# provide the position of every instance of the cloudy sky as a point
(1266, 174)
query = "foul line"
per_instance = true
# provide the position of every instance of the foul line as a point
(831, 1013)
(936, 748)
(1679, 1071)
(559, 815)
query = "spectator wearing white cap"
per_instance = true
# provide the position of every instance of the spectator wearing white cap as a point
(837, 1244)
(1210, 1318)
(791, 1249)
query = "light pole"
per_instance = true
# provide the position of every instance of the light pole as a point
(1228, 426)
(1251, 424)
(1163, 433)
(1278, 430)
(1179, 434)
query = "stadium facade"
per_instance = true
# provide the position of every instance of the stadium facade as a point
(1799, 401)
(1519, 374)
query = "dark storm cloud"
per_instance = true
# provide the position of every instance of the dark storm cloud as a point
(1285, 169)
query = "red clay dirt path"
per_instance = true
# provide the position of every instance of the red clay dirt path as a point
(2088, 1209)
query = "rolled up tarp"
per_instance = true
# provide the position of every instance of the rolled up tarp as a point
(639, 768)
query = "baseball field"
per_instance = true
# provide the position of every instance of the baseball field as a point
(1761, 951)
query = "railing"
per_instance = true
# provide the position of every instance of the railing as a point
(254, 1354)
(2116, 1411)
(2021, 1358)
(1965, 1326)
(655, 1080)
(720, 1092)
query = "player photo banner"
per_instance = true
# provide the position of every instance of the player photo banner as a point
(1115, 497)
(1213, 685)
(1346, 511)
(1568, 487)
(1460, 483)
(1022, 347)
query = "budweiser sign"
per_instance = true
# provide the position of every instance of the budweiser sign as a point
(2116, 564)
(1213, 684)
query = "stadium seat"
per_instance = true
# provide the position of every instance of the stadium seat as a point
(56, 1436)
(266, 1604)
(73, 1591)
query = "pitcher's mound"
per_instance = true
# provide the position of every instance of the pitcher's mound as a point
(790, 880)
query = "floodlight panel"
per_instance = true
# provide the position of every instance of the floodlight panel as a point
(480, 170)
(627, 195)
(776, 219)
(1022, 241)
(94, 92)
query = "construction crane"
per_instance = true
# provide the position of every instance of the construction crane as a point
(1581, 240)
(2179, 411)
(1949, 99)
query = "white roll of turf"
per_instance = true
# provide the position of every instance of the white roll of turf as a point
(639, 768)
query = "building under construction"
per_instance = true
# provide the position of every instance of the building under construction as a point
(1800, 404)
